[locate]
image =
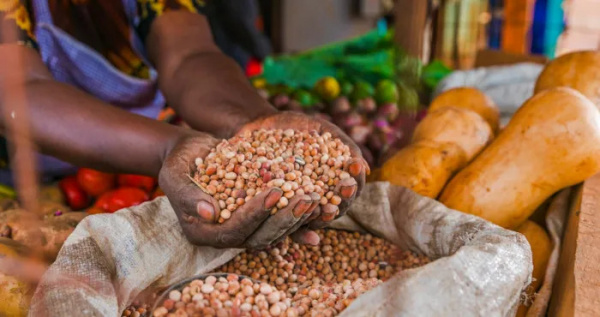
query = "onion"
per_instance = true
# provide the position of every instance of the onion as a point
(366, 105)
(348, 120)
(293, 105)
(359, 133)
(280, 101)
(389, 111)
(339, 106)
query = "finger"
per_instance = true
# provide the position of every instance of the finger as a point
(328, 213)
(250, 216)
(241, 224)
(315, 202)
(347, 190)
(276, 225)
(191, 204)
(305, 236)
(356, 168)
(293, 229)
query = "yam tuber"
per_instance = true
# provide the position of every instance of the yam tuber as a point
(552, 142)
(472, 99)
(541, 247)
(577, 70)
(465, 128)
(423, 167)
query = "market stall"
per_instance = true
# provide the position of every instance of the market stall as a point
(445, 179)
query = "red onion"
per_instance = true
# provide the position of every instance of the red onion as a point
(389, 111)
(280, 101)
(293, 105)
(359, 133)
(348, 120)
(339, 106)
(366, 105)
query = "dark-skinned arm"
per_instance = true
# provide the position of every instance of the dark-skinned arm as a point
(205, 87)
(76, 127)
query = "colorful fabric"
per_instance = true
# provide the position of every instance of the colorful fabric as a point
(94, 45)
(102, 25)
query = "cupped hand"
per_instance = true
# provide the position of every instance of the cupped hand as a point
(348, 189)
(250, 226)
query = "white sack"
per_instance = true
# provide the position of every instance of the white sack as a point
(480, 269)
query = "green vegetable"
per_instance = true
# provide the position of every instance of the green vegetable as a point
(346, 88)
(362, 90)
(386, 92)
(303, 97)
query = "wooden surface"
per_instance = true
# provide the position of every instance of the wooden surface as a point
(577, 288)
(487, 58)
(410, 20)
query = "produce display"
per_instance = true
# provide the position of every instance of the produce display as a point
(577, 70)
(105, 192)
(552, 142)
(293, 280)
(297, 162)
(378, 118)
(455, 154)
(445, 141)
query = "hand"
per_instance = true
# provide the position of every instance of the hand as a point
(347, 189)
(197, 211)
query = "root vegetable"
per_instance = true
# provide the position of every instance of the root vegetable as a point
(472, 99)
(423, 167)
(460, 126)
(577, 70)
(552, 142)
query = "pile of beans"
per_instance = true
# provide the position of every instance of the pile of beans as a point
(297, 162)
(296, 280)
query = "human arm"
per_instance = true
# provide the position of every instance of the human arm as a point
(211, 93)
(205, 87)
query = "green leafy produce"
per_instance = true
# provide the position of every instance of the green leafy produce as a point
(386, 92)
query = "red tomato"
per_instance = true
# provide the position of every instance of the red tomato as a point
(95, 183)
(95, 210)
(121, 198)
(158, 193)
(146, 183)
(76, 198)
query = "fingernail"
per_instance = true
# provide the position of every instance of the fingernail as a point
(301, 208)
(355, 169)
(273, 198)
(311, 238)
(347, 191)
(329, 212)
(206, 210)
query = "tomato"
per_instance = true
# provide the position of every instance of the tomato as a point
(95, 210)
(158, 193)
(146, 183)
(76, 198)
(95, 183)
(121, 198)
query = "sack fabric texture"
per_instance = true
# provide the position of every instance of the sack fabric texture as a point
(480, 269)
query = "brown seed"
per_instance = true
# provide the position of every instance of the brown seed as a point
(336, 200)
